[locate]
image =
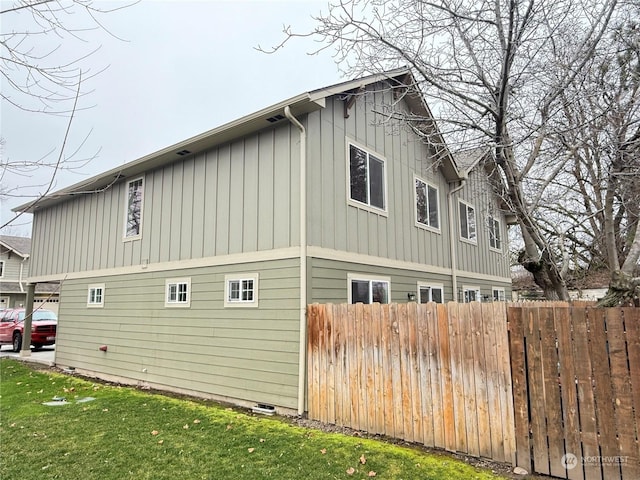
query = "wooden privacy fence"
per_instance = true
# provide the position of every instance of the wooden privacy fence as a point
(576, 387)
(428, 373)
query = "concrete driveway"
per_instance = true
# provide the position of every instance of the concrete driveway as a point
(46, 355)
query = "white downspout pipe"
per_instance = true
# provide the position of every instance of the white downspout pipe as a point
(453, 240)
(22, 274)
(302, 358)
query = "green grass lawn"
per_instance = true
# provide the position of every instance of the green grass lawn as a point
(130, 434)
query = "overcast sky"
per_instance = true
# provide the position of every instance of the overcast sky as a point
(182, 68)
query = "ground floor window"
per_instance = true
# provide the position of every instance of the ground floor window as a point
(430, 293)
(471, 294)
(178, 292)
(241, 290)
(498, 294)
(95, 295)
(365, 289)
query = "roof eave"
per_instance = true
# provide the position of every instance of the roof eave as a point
(299, 105)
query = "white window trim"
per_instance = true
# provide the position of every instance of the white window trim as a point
(493, 219)
(415, 205)
(3, 266)
(429, 286)
(498, 289)
(367, 278)
(228, 303)
(467, 288)
(95, 286)
(130, 238)
(356, 203)
(177, 304)
(474, 240)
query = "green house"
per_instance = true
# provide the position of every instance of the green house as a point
(192, 266)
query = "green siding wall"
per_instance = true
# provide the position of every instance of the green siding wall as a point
(329, 281)
(239, 197)
(244, 353)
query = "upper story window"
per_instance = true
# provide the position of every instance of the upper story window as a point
(426, 204)
(468, 222)
(1, 268)
(241, 290)
(178, 292)
(430, 293)
(367, 178)
(495, 236)
(133, 211)
(364, 289)
(95, 295)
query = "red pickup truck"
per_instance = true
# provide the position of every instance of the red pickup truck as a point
(43, 328)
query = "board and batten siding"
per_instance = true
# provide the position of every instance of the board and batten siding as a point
(479, 257)
(246, 353)
(239, 197)
(336, 224)
(12, 265)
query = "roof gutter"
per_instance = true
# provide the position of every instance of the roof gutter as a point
(302, 359)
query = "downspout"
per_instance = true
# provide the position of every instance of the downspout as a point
(452, 240)
(302, 358)
(21, 274)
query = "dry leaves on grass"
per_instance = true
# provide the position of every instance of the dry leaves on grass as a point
(363, 459)
(351, 471)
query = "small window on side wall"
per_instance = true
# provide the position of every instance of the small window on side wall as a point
(467, 222)
(495, 236)
(178, 292)
(426, 204)
(498, 294)
(241, 290)
(133, 209)
(367, 178)
(430, 293)
(1, 268)
(471, 294)
(364, 289)
(95, 295)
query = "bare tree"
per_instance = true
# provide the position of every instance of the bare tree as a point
(44, 48)
(494, 72)
(601, 120)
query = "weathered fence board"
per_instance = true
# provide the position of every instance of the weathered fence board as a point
(433, 374)
(547, 386)
(580, 402)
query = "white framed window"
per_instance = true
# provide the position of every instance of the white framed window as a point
(178, 292)
(133, 209)
(368, 289)
(367, 178)
(495, 234)
(471, 294)
(95, 295)
(468, 229)
(241, 290)
(427, 208)
(1, 268)
(498, 294)
(428, 292)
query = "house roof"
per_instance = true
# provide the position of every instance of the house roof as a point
(299, 105)
(19, 245)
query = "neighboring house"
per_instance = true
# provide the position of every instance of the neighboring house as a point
(14, 270)
(193, 265)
